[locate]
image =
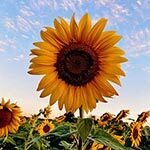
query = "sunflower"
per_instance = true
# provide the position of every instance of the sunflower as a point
(47, 111)
(45, 127)
(105, 119)
(60, 119)
(77, 61)
(23, 120)
(99, 146)
(136, 133)
(9, 117)
(119, 138)
(121, 114)
(143, 117)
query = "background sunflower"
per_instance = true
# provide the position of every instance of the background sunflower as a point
(136, 133)
(9, 117)
(45, 127)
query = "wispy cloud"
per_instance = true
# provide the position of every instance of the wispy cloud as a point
(17, 58)
(9, 24)
(6, 44)
(26, 11)
(138, 42)
(146, 69)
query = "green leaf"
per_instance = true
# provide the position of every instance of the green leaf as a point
(106, 139)
(62, 129)
(21, 135)
(10, 140)
(84, 128)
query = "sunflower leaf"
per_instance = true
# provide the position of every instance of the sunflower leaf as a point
(84, 128)
(106, 139)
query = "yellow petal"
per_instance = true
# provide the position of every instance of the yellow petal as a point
(77, 100)
(97, 92)
(84, 27)
(84, 100)
(103, 89)
(113, 78)
(104, 83)
(40, 70)
(49, 88)
(112, 69)
(113, 59)
(46, 46)
(96, 31)
(41, 52)
(58, 93)
(69, 100)
(91, 99)
(47, 79)
(74, 28)
(66, 27)
(44, 60)
(113, 51)
(107, 42)
(60, 31)
(63, 98)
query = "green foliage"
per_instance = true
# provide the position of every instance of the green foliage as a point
(66, 135)
(104, 138)
(84, 128)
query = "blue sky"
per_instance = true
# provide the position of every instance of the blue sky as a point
(21, 22)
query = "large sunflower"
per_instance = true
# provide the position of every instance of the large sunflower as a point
(136, 133)
(9, 117)
(77, 61)
(45, 127)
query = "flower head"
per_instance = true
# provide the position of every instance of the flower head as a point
(143, 117)
(105, 119)
(121, 114)
(60, 119)
(77, 61)
(136, 133)
(47, 111)
(45, 127)
(9, 117)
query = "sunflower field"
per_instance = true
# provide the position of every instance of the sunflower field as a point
(79, 63)
(66, 132)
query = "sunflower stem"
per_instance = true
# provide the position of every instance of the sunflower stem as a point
(81, 115)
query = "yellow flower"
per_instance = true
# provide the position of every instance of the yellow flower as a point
(105, 119)
(47, 111)
(136, 133)
(60, 119)
(77, 61)
(99, 146)
(32, 118)
(119, 138)
(23, 119)
(9, 117)
(96, 146)
(122, 114)
(143, 117)
(45, 127)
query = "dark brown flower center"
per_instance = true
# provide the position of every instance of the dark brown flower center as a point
(46, 128)
(77, 64)
(135, 134)
(5, 117)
